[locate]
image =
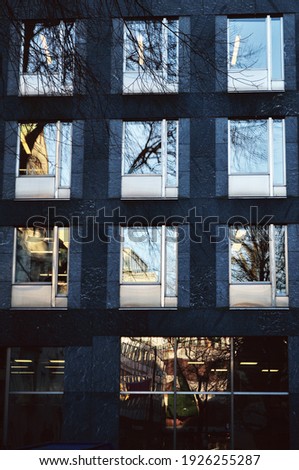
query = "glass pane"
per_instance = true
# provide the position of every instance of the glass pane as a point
(34, 420)
(278, 153)
(261, 364)
(141, 255)
(49, 50)
(261, 422)
(276, 49)
(250, 260)
(143, 46)
(249, 147)
(248, 43)
(171, 262)
(280, 260)
(203, 422)
(172, 51)
(142, 148)
(34, 255)
(171, 153)
(143, 423)
(65, 155)
(63, 248)
(38, 369)
(203, 364)
(37, 149)
(147, 364)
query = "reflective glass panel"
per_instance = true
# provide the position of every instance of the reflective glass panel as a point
(276, 55)
(37, 149)
(38, 369)
(203, 364)
(278, 153)
(143, 423)
(143, 45)
(171, 262)
(34, 254)
(141, 255)
(261, 422)
(172, 51)
(248, 147)
(171, 179)
(49, 49)
(250, 256)
(280, 260)
(34, 420)
(248, 43)
(142, 148)
(65, 155)
(203, 422)
(63, 248)
(260, 364)
(147, 364)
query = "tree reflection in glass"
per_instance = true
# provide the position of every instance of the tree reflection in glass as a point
(150, 148)
(250, 256)
(249, 146)
(141, 255)
(49, 49)
(152, 47)
(142, 148)
(46, 149)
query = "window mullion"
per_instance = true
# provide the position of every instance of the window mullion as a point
(6, 398)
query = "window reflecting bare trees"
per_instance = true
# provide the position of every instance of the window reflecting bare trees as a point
(151, 56)
(48, 57)
(150, 152)
(258, 255)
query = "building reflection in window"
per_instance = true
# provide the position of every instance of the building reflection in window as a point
(181, 392)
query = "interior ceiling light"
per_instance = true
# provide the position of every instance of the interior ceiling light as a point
(236, 49)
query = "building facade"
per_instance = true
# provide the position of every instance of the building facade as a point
(149, 184)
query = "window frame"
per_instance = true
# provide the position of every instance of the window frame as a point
(30, 294)
(38, 83)
(239, 80)
(246, 187)
(276, 300)
(127, 297)
(144, 80)
(165, 191)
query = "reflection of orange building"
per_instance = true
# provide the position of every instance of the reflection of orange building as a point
(34, 159)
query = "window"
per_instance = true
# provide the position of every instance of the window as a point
(257, 158)
(149, 267)
(47, 57)
(35, 379)
(151, 56)
(40, 277)
(44, 160)
(204, 393)
(258, 266)
(255, 50)
(150, 163)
